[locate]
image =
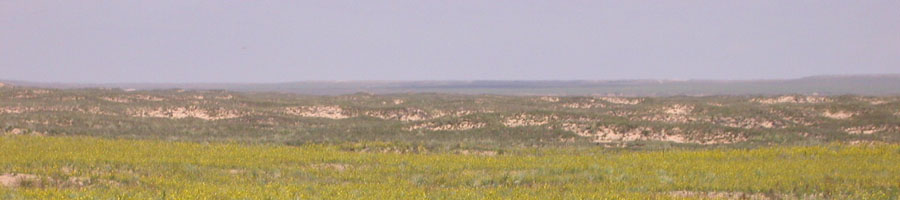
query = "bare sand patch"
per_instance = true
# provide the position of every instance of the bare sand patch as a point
(865, 143)
(839, 114)
(615, 134)
(678, 109)
(185, 112)
(865, 130)
(31, 93)
(116, 99)
(584, 105)
(877, 102)
(29, 109)
(147, 98)
(16, 109)
(792, 99)
(549, 99)
(526, 120)
(677, 113)
(71, 98)
(454, 113)
(448, 126)
(621, 100)
(874, 100)
(19, 131)
(668, 118)
(330, 112)
(14, 180)
(40, 91)
(17, 180)
(131, 98)
(404, 114)
(747, 123)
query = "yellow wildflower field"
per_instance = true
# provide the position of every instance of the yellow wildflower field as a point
(34, 167)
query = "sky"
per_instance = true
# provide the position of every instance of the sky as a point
(266, 41)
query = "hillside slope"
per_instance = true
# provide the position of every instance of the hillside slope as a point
(448, 120)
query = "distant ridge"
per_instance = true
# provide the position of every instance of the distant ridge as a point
(875, 84)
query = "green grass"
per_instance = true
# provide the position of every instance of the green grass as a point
(139, 169)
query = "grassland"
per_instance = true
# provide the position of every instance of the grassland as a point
(91, 168)
(183, 144)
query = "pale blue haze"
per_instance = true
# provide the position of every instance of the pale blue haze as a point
(277, 41)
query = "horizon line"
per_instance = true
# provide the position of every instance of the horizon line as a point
(13, 81)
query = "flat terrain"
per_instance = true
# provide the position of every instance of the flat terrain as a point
(210, 144)
(86, 168)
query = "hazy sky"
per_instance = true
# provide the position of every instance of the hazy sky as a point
(277, 41)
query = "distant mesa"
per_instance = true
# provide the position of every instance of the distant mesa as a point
(833, 85)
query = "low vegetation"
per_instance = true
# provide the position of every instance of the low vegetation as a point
(37, 167)
(441, 121)
(177, 144)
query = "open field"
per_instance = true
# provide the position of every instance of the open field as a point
(187, 144)
(88, 168)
